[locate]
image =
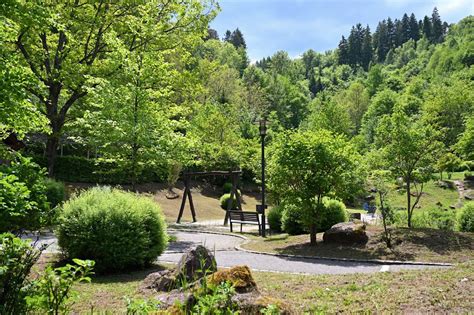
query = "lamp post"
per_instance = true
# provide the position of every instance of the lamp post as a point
(261, 208)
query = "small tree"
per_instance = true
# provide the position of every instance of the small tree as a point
(379, 180)
(307, 166)
(409, 147)
(448, 163)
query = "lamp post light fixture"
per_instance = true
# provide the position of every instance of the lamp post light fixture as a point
(261, 208)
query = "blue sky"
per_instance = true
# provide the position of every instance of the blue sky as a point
(298, 25)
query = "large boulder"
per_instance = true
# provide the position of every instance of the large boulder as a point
(195, 264)
(239, 276)
(346, 233)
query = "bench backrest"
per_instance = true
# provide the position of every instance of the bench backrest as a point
(244, 216)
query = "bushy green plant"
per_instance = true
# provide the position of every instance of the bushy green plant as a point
(274, 218)
(215, 300)
(224, 200)
(51, 292)
(117, 229)
(55, 192)
(466, 218)
(17, 257)
(23, 203)
(227, 188)
(140, 306)
(291, 220)
(334, 212)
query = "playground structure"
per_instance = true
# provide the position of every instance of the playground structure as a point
(234, 193)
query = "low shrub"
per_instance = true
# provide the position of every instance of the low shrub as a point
(55, 192)
(227, 188)
(466, 218)
(224, 200)
(274, 218)
(291, 220)
(117, 229)
(334, 212)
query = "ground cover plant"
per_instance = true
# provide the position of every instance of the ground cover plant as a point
(117, 229)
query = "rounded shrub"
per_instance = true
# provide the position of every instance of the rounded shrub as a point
(55, 192)
(274, 218)
(225, 199)
(291, 220)
(227, 188)
(334, 212)
(117, 229)
(466, 218)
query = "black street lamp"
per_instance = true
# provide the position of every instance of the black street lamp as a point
(261, 208)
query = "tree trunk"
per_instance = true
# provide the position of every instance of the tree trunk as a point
(409, 202)
(312, 235)
(52, 152)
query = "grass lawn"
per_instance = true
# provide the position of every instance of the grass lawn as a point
(447, 290)
(432, 194)
(411, 244)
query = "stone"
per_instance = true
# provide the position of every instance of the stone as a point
(168, 300)
(254, 303)
(239, 276)
(346, 233)
(195, 264)
(163, 281)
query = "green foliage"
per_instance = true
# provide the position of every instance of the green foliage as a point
(55, 192)
(291, 220)
(23, 203)
(226, 188)
(225, 199)
(117, 229)
(84, 170)
(215, 300)
(274, 218)
(140, 306)
(435, 218)
(17, 257)
(51, 292)
(334, 212)
(466, 218)
(305, 167)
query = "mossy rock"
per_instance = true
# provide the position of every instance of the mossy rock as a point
(239, 276)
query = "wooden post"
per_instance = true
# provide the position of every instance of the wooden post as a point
(186, 194)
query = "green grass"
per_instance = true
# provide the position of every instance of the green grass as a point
(441, 291)
(432, 195)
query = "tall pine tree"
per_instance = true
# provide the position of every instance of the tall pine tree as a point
(343, 55)
(366, 48)
(414, 29)
(427, 27)
(436, 27)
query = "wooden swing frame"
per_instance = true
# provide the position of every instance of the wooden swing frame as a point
(234, 175)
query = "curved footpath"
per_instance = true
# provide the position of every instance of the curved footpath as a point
(224, 248)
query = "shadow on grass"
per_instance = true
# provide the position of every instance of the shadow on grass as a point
(127, 276)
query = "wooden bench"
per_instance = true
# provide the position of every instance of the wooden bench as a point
(244, 217)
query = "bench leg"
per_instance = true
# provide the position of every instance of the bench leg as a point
(231, 227)
(241, 227)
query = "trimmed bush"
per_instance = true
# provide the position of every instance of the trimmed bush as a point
(334, 212)
(225, 198)
(274, 218)
(435, 218)
(466, 218)
(117, 229)
(291, 220)
(227, 188)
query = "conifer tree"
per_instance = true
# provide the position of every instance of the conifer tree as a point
(436, 27)
(414, 28)
(427, 27)
(343, 55)
(366, 48)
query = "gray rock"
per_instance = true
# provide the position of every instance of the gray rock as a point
(195, 264)
(167, 300)
(163, 281)
(346, 233)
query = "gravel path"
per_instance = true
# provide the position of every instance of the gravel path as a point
(223, 246)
